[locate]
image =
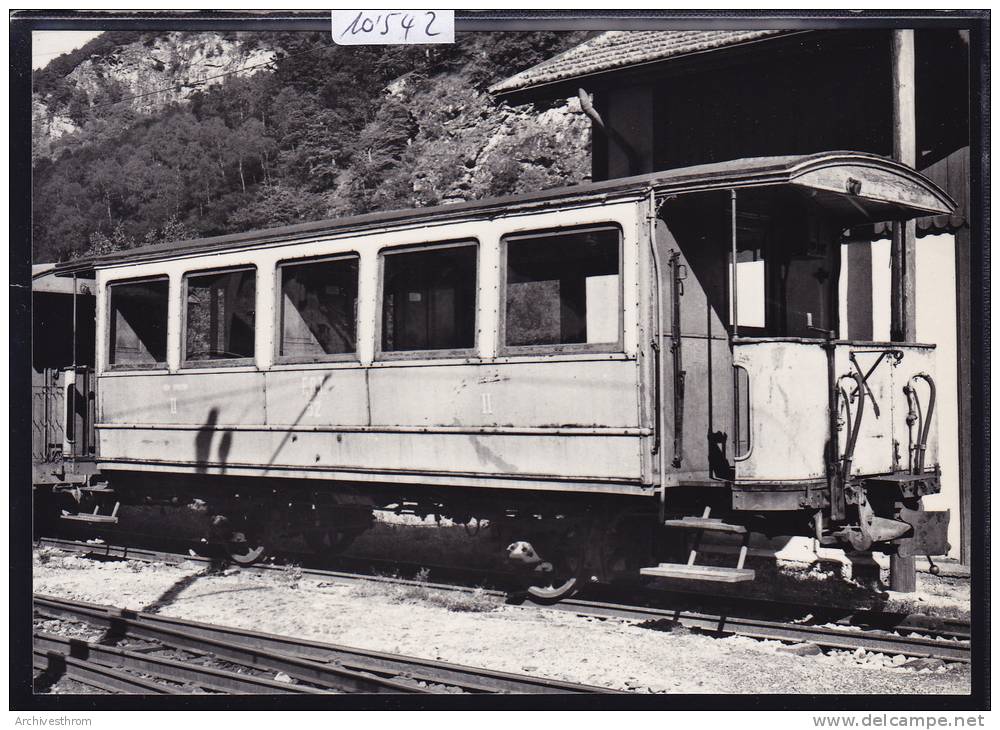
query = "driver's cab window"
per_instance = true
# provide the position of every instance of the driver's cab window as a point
(785, 276)
(219, 317)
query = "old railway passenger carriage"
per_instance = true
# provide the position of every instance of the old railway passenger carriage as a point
(575, 365)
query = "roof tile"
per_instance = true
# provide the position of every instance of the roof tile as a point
(619, 49)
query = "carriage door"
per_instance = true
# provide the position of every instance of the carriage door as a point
(79, 390)
(697, 389)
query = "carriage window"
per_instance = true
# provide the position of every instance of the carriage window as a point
(564, 288)
(750, 288)
(319, 301)
(741, 398)
(138, 323)
(220, 315)
(429, 299)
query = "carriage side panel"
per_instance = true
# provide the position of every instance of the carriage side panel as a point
(565, 418)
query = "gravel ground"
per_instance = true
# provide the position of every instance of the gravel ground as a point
(481, 631)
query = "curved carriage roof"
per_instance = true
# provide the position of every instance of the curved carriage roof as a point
(861, 185)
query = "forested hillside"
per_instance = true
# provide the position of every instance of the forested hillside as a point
(143, 137)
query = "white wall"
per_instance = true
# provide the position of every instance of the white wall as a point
(881, 290)
(936, 323)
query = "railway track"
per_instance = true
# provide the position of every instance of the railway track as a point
(218, 659)
(458, 578)
(911, 636)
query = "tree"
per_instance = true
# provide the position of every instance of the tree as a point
(102, 244)
(329, 130)
(107, 179)
(250, 144)
(310, 140)
(277, 205)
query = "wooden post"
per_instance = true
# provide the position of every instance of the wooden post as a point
(858, 325)
(903, 571)
(904, 149)
(963, 280)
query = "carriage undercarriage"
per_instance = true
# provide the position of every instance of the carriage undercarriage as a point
(560, 543)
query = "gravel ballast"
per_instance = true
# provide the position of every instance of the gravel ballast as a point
(482, 631)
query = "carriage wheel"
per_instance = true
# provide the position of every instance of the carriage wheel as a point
(552, 591)
(244, 552)
(566, 575)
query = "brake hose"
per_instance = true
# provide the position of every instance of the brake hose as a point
(856, 428)
(925, 433)
(915, 416)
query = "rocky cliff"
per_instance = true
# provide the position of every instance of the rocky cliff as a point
(141, 137)
(151, 72)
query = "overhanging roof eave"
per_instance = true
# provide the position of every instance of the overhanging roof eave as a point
(567, 86)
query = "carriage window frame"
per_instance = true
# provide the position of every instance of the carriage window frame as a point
(742, 413)
(127, 366)
(571, 348)
(472, 352)
(233, 362)
(349, 357)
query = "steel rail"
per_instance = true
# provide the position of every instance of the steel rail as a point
(121, 552)
(727, 624)
(402, 673)
(127, 623)
(953, 647)
(96, 675)
(211, 678)
(823, 636)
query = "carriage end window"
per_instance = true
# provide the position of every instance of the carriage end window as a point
(751, 288)
(220, 316)
(429, 299)
(741, 398)
(138, 334)
(564, 288)
(319, 301)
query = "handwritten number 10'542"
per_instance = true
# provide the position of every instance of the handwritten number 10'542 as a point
(382, 24)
